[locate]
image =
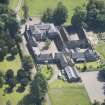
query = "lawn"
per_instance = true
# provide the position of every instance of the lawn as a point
(90, 65)
(14, 64)
(61, 93)
(47, 73)
(37, 7)
(13, 97)
(100, 48)
(13, 3)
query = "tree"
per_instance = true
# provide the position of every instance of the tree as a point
(8, 102)
(79, 17)
(1, 79)
(96, 103)
(47, 16)
(38, 89)
(18, 38)
(22, 78)
(27, 63)
(24, 83)
(4, 1)
(13, 26)
(103, 103)
(60, 14)
(10, 80)
(14, 51)
(25, 11)
(21, 75)
(96, 14)
(9, 74)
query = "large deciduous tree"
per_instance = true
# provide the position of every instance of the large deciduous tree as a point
(4, 1)
(27, 63)
(92, 15)
(25, 11)
(57, 16)
(79, 17)
(38, 89)
(47, 16)
(60, 14)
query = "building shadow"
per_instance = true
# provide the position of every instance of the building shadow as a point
(10, 58)
(20, 89)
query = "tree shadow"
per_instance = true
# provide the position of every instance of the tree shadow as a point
(8, 90)
(1, 58)
(10, 58)
(101, 76)
(20, 89)
(27, 100)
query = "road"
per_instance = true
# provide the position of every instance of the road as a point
(94, 85)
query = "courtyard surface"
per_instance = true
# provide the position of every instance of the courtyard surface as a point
(94, 85)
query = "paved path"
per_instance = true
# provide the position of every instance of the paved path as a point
(23, 45)
(19, 6)
(48, 99)
(94, 87)
(24, 49)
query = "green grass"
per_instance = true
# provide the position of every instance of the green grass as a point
(13, 4)
(47, 73)
(37, 7)
(100, 48)
(14, 64)
(13, 97)
(68, 94)
(90, 65)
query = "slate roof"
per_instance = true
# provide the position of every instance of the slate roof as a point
(42, 28)
(71, 74)
(44, 57)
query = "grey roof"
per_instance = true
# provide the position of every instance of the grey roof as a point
(44, 57)
(70, 73)
(62, 59)
(87, 55)
(42, 28)
(78, 55)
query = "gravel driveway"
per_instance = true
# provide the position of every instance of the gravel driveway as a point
(95, 87)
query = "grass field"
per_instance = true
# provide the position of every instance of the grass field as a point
(90, 65)
(37, 7)
(13, 97)
(15, 64)
(13, 3)
(101, 49)
(68, 94)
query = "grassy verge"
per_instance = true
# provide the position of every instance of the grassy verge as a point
(47, 72)
(100, 48)
(68, 94)
(37, 7)
(13, 4)
(91, 66)
(13, 97)
(14, 64)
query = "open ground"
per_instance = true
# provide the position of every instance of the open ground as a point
(62, 93)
